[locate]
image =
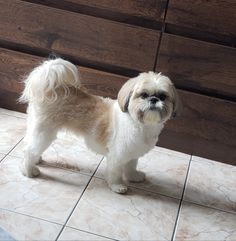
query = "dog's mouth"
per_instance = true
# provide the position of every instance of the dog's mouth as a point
(154, 108)
(162, 111)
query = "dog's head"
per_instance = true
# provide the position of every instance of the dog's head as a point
(149, 98)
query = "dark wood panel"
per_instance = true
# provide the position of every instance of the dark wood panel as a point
(206, 128)
(101, 83)
(85, 38)
(151, 9)
(8, 100)
(15, 66)
(199, 66)
(211, 17)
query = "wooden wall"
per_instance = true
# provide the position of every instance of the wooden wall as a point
(191, 41)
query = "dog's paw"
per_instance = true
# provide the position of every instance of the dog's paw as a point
(35, 171)
(31, 172)
(136, 176)
(119, 188)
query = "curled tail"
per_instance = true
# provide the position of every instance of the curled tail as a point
(49, 80)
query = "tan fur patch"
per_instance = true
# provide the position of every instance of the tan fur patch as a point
(87, 114)
(102, 130)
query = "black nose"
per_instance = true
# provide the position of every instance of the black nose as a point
(154, 100)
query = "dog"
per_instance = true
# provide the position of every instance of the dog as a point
(123, 130)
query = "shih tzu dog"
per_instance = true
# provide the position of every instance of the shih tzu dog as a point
(123, 130)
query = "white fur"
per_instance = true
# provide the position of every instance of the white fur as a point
(52, 74)
(51, 91)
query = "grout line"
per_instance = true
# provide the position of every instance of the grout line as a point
(30, 216)
(156, 193)
(210, 207)
(5, 155)
(81, 230)
(45, 164)
(143, 189)
(181, 201)
(15, 146)
(72, 211)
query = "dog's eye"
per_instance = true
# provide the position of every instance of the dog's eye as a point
(144, 95)
(162, 97)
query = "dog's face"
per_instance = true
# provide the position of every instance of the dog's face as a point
(149, 98)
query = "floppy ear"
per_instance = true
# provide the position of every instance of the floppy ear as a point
(125, 94)
(178, 106)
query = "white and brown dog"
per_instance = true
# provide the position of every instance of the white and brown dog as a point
(123, 130)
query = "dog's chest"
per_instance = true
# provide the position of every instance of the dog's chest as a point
(135, 142)
(144, 140)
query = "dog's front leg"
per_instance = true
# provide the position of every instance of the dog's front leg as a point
(114, 176)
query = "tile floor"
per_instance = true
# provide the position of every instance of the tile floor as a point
(184, 197)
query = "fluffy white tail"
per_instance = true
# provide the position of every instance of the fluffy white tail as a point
(50, 79)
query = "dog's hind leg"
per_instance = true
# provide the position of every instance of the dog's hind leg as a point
(37, 140)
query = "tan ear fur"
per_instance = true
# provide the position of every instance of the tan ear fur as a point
(178, 106)
(125, 94)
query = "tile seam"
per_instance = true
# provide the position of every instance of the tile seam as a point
(210, 207)
(8, 153)
(181, 201)
(76, 204)
(30, 216)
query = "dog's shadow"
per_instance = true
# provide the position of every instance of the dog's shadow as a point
(53, 174)
(153, 187)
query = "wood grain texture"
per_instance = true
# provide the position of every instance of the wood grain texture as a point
(151, 9)
(210, 17)
(206, 128)
(8, 100)
(85, 38)
(199, 66)
(15, 66)
(101, 83)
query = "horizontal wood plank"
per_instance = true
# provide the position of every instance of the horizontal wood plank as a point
(151, 9)
(87, 39)
(212, 18)
(199, 66)
(206, 128)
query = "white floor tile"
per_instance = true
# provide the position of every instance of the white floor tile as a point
(21, 227)
(165, 172)
(212, 184)
(12, 130)
(138, 215)
(201, 223)
(69, 152)
(50, 196)
(73, 234)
